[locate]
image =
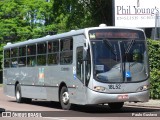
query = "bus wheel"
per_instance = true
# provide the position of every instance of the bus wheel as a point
(64, 98)
(116, 106)
(19, 98)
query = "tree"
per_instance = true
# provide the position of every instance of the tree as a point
(24, 19)
(75, 14)
(101, 11)
(38, 14)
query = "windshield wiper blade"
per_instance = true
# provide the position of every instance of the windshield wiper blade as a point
(110, 46)
(130, 46)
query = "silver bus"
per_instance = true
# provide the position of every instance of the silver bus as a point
(97, 65)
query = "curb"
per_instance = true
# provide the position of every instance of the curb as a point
(143, 105)
(148, 106)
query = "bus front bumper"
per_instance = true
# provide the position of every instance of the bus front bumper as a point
(101, 98)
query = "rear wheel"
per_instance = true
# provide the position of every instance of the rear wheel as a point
(19, 97)
(64, 98)
(116, 106)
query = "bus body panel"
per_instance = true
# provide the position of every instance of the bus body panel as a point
(33, 86)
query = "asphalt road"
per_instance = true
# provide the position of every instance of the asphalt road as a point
(39, 109)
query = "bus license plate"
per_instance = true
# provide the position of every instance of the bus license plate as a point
(114, 86)
(123, 97)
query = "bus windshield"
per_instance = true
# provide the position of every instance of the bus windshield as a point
(118, 59)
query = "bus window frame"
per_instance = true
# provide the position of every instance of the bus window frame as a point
(22, 57)
(53, 55)
(32, 62)
(64, 52)
(41, 55)
(7, 58)
(14, 55)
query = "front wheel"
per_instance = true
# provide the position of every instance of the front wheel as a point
(116, 106)
(18, 94)
(64, 98)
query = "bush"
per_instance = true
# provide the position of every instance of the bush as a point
(154, 61)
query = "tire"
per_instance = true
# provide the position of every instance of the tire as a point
(116, 106)
(64, 98)
(19, 97)
(18, 94)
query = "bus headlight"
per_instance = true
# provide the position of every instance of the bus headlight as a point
(99, 88)
(143, 88)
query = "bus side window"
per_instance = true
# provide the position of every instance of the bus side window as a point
(31, 61)
(66, 55)
(6, 58)
(31, 50)
(41, 53)
(31, 55)
(14, 59)
(22, 56)
(22, 62)
(50, 47)
(53, 52)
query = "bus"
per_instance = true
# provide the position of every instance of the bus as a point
(96, 65)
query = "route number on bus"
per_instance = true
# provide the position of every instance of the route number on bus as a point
(114, 86)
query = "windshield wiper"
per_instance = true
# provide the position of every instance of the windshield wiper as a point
(130, 46)
(128, 49)
(106, 41)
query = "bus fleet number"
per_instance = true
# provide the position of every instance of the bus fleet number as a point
(114, 86)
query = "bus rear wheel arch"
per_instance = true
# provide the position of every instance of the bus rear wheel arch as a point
(64, 98)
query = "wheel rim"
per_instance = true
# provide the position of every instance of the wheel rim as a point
(65, 97)
(18, 95)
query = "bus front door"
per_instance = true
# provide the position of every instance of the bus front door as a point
(80, 71)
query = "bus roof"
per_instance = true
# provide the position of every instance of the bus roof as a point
(62, 35)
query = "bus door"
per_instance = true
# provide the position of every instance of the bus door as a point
(81, 70)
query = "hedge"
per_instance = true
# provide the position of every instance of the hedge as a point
(154, 61)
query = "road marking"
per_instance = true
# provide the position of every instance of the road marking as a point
(54, 118)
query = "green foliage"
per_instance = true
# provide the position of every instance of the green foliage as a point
(101, 11)
(24, 19)
(154, 61)
(75, 14)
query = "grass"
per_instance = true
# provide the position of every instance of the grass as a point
(1, 85)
